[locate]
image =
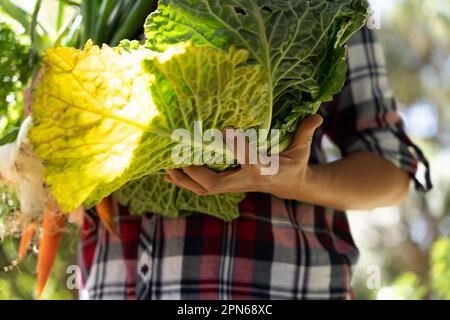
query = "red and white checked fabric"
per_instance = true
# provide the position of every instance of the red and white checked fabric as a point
(277, 249)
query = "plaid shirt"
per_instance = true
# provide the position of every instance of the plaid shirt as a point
(277, 249)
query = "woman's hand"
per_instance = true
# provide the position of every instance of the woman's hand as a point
(291, 178)
(359, 181)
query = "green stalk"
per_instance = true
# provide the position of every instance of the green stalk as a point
(33, 32)
(88, 11)
(85, 24)
(94, 16)
(106, 8)
(73, 37)
(285, 143)
(134, 20)
(127, 7)
(114, 20)
(68, 31)
(60, 16)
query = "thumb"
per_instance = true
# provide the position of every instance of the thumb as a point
(305, 132)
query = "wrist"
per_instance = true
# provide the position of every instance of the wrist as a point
(290, 184)
(314, 186)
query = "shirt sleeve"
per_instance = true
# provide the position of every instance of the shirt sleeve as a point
(365, 117)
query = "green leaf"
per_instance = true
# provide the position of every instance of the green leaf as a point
(298, 42)
(10, 137)
(115, 120)
(17, 13)
(173, 202)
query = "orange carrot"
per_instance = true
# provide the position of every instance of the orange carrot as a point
(25, 240)
(106, 214)
(51, 235)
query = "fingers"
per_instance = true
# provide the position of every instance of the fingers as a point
(182, 180)
(306, 129)
(207, 178)
(204, 181)
(304, 135)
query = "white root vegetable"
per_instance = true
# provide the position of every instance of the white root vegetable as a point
(23, 172)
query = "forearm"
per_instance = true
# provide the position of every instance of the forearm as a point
(357, 182)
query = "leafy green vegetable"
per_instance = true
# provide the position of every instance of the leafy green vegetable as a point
(109, 129)
(104, 117)
(300, 45)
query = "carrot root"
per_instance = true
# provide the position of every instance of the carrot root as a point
(25, 241)
(51, 236)
(106, 214)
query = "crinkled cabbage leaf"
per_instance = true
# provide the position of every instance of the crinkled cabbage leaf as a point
(300, 45)
(104, 117)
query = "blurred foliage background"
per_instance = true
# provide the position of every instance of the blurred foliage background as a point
(405, 251)
(410, 244)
